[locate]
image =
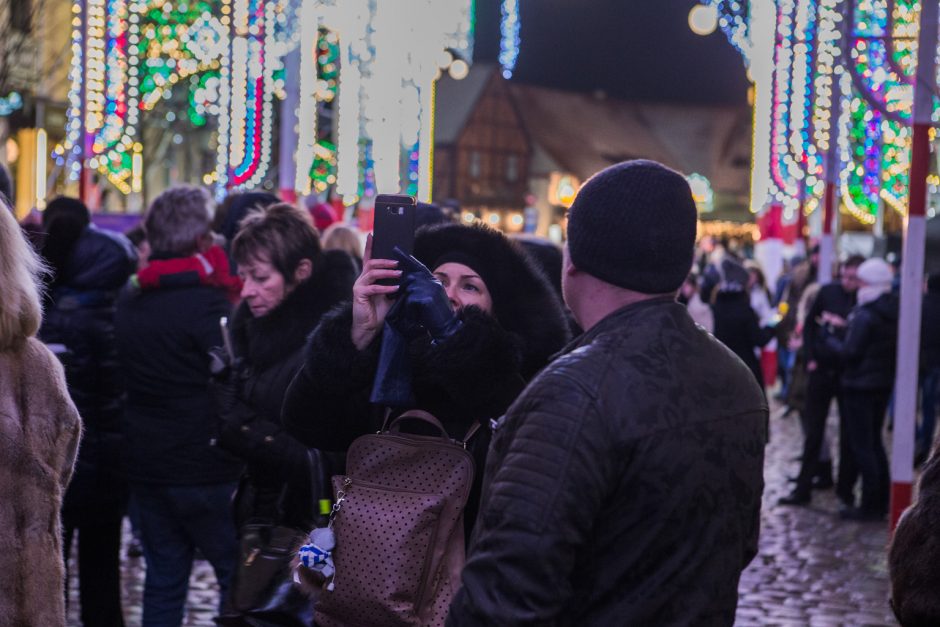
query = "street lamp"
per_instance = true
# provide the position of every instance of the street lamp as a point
(703, 19)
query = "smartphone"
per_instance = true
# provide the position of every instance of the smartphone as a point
(394, 225)
(227, 339)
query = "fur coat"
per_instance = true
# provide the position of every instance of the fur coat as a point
(39, 433)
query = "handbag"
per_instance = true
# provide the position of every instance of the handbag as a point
(262, 591)
(398, 523)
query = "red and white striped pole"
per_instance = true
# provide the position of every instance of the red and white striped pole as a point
(912, 270)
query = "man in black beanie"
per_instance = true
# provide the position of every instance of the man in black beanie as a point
(623, 487)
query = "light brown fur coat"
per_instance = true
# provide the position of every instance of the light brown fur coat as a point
(39, 434)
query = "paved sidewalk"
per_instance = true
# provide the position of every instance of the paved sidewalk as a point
(813, 569)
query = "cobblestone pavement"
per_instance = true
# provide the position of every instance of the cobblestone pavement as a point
(812, 570)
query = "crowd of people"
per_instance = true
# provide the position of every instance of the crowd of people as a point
(219, 363)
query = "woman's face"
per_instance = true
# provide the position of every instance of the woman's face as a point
(263, 287)
(464, 287)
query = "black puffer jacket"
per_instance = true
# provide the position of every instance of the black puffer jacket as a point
(80, 315)
(623, 487)
(472, 376)
(870, 345)
(270, 350)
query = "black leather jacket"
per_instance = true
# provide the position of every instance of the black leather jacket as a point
(623, 487)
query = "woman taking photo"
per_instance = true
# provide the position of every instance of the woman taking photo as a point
(502, 322)
(288, 284)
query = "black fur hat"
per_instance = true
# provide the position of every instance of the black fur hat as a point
(524, 303)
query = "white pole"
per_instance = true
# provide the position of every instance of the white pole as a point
(912, 270)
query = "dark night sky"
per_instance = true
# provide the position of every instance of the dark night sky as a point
(631, 49)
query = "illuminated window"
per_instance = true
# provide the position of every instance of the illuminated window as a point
(475, 164)
(512, 168)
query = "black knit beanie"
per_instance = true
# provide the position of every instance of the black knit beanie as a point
(633, 225)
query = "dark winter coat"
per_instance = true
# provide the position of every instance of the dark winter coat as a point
(164, 336)
(930, 332)
(270, 352)
(869, 349)
(623, 487)
(834, 299)
(80, 316)
(472, 376)
(738, 328)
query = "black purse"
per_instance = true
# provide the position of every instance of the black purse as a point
(262, 592)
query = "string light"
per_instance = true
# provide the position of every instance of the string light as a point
(509, 28)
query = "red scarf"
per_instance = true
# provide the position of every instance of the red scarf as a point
(208, 268)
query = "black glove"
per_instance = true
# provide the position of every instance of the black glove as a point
(425, 296)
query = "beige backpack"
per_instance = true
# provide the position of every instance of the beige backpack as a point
(398, 520)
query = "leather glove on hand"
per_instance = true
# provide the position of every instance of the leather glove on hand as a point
(425, 296)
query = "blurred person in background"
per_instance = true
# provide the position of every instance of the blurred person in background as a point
(689, 295)
(825, 318)
(39, 434)
(89, 266)
(868, 353)
(345, 238)
(181, 484)
(736, 324)
(929, 367)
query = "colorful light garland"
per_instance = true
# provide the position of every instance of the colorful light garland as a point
(228, 56)
(811, 78)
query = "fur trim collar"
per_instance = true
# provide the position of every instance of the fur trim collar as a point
(524, 302)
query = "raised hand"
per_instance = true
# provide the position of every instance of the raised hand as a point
(370, 298)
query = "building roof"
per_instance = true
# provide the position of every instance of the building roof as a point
(454, 101)
(585, 133)
(582, 133)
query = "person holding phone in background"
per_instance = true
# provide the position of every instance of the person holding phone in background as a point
(490, 321)
(289, 282)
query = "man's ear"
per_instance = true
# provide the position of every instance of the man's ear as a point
(303, 271)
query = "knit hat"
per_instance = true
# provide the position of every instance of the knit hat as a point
(633, 225)
(875, 271)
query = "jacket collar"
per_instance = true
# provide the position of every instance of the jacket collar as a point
(617, 319)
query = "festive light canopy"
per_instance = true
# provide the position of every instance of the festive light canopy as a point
(362, 91)
(837, 89)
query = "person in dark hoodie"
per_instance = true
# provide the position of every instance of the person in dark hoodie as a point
(510, 323)
(289, 283)
(89, 267)
(868, 353)
(736, 323)
(929, 367)
(165, 326)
